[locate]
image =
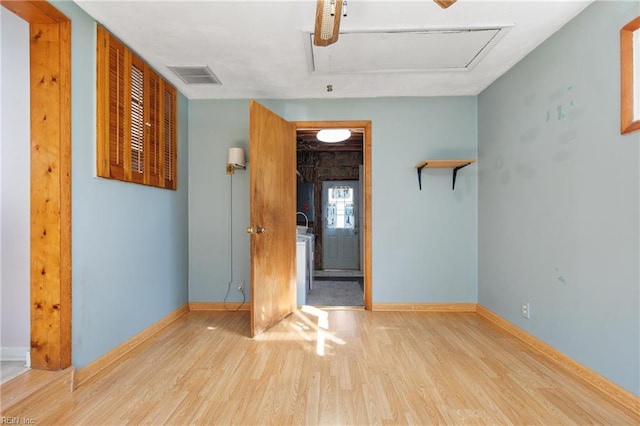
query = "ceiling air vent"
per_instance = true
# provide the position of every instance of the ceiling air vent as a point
(198, 74)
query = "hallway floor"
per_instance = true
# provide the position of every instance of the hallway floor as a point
(11, 369)
(336, 292)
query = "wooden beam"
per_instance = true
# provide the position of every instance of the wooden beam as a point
(46, 206)
(50, 91)
(35, 12)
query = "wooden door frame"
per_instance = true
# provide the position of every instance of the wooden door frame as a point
(366, 159)
(50, 258)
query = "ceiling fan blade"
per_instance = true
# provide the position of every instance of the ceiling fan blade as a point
(327, 26)
(444, 3)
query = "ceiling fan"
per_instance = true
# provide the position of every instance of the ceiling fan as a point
(328, 14)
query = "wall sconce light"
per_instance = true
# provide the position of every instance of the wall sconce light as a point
(235, 160)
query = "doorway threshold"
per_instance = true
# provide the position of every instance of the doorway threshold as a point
(322, 273)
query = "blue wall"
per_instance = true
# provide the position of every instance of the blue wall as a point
(129, 241)
(424, 242)
(557, 223)
(559, 197)
(214, 127)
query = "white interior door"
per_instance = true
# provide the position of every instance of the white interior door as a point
(340, 240)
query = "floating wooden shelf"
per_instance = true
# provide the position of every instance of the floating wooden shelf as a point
(443, 164)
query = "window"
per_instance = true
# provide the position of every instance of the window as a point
(136, 118)
(340, 211)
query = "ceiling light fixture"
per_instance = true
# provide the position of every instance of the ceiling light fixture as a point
(333, 135)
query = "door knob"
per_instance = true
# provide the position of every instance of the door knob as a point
(255, 229)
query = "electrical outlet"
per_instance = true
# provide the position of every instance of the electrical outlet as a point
(526, 310)
(240, 286)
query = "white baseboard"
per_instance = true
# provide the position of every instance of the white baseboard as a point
(15, 353)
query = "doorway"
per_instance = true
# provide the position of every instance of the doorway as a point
(342, 250)
(14, 280)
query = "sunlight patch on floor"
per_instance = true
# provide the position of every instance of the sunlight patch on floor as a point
(320, 327)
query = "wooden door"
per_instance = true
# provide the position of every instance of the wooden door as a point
(272, 157)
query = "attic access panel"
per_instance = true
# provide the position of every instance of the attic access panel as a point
(398, 51)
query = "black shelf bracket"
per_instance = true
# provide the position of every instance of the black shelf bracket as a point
(455, 173)
(420, 175)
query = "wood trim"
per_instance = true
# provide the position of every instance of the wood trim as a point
(219, 306)
(425, 307)
(627, 89)
(50, 91)
(106, 360)
(102, 110)
(366, 158)
(65, 194)
(604, 385)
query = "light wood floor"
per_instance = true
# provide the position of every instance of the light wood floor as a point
(368, 368)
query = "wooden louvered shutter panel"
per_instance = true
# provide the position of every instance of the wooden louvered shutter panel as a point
(153, 116)
(112, 108)
(136, 145)
(116, 109)
(136, 118)
(170, 137)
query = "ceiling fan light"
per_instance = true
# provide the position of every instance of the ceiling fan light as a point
(327, 25)
(333, 135)
(444, 3)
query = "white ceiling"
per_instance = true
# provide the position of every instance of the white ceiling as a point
(262, 49)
